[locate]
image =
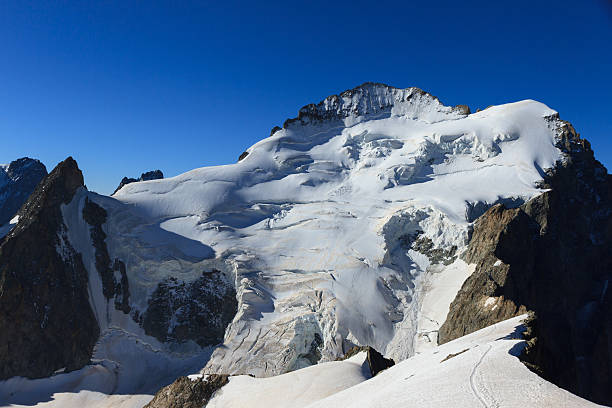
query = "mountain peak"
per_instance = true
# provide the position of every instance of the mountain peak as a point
(18, 167)
(146, 176)
(17, 181)
(57, 188)
(372, 100)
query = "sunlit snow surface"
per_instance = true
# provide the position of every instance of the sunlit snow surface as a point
(478, 370)
(314, 228)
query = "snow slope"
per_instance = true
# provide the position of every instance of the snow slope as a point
(92, 385)
(481, 370)
(296, 389)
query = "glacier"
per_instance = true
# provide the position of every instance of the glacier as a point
(309, 224)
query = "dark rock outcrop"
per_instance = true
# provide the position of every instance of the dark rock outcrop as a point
(275, 129)
(122, 288)
(243, 155)
(550, 256)
(198, 310)
(46, 321)
(481, 301)
(372, 98)
(197, 393)
(426, 246)
(314, 352)
(149, 175)
(17, 181)
(96, 216)
(376, 361)
(186, 393)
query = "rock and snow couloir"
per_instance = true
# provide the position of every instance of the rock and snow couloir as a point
(345, 227)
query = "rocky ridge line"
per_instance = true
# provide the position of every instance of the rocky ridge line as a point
(368, 98)
(149, 175)
(46, 321)
(549, 256)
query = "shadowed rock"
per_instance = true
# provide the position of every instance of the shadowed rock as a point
(243, 155)
(362, 100)
(96, 216)
(149, 175)
(198, 310)
(46, 322)
(376, 361)
(17, 181)
(550, 256)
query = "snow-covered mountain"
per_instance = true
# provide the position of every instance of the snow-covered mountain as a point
(348, 226)
(316, 225)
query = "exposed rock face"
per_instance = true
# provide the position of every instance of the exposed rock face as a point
(376, 361)
(274, 130)
(243, 155)
(550, 256)
(17, 181)
(426, 246)
(96, 216)
(198, 311)
(367, 98)
(149, 175)
(46, 321)
(185, 393)
(481, 301)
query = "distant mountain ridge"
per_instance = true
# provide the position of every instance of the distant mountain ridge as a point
(149, 175)
(17, 181)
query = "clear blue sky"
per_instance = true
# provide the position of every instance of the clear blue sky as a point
(129, 86)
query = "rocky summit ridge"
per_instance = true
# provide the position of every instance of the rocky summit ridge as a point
(146, 176)
(43, 286)
(371, 99)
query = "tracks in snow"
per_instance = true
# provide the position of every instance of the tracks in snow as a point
(479, 394)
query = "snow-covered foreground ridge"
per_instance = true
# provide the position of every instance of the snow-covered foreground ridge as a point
(478, 370)
(334, 228)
